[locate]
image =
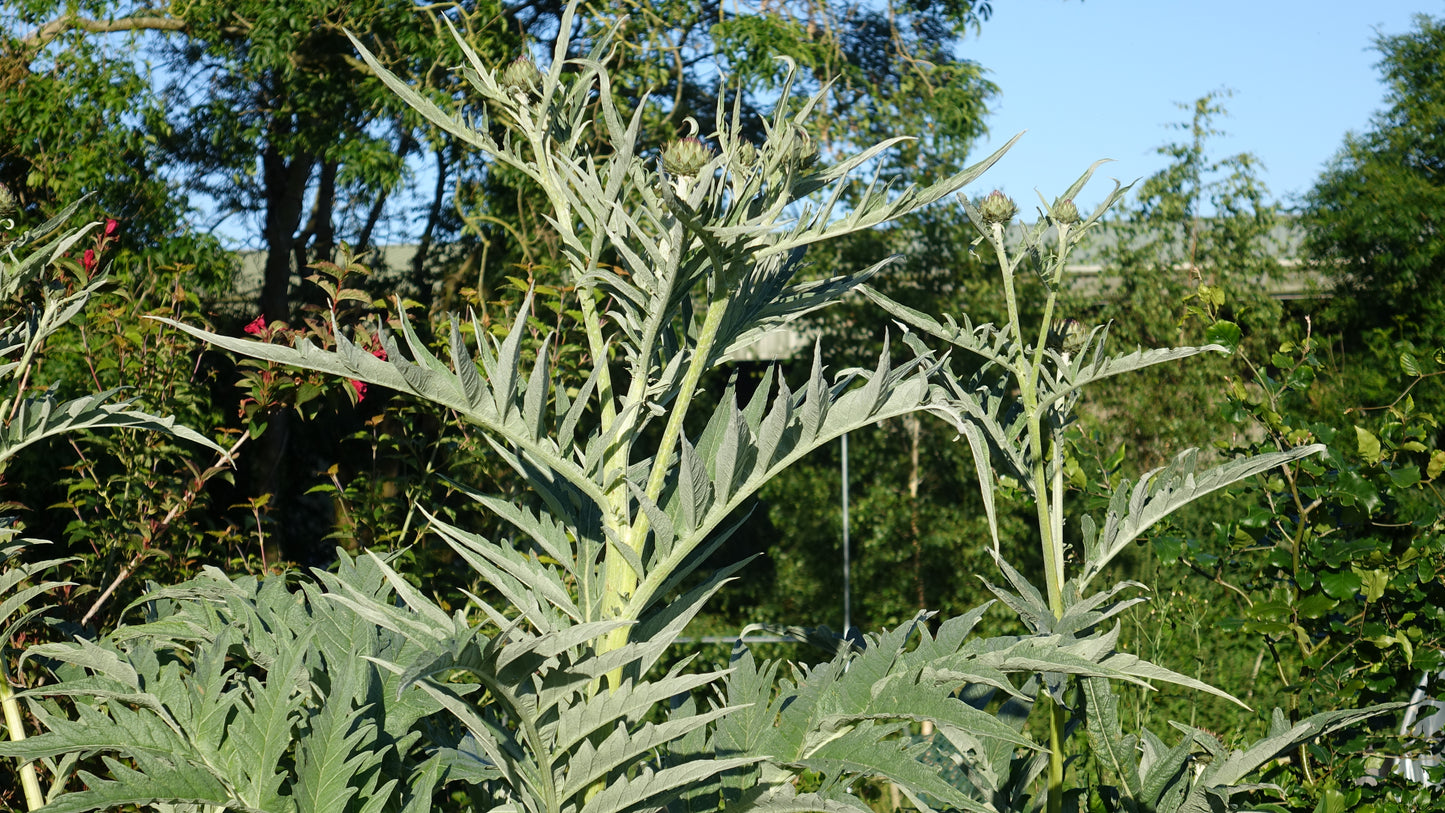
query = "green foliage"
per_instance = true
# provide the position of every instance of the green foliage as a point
(545, 693)
(1200, 233)
(1336, 562)
(1372, 217)
(40, 291)
(240, 694)
(1014, 410)
(66, 129)
(19, 586)
(29, 419)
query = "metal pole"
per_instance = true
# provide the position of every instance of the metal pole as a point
(847, 595)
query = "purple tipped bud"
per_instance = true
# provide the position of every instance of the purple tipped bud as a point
(997, 208)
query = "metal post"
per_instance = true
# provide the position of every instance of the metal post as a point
(847, 595)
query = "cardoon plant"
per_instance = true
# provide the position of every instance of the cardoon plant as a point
(357, 691)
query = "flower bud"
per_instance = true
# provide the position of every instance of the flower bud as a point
(1065, 213)
(997, 208)
(685, 157)
(7, 201)
(804, 150)
(522, 75)
(747, 154)
(1067, 335)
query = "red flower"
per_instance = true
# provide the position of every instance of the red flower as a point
(88, 261)
(257, 325)
(111, 227)
(379, 352)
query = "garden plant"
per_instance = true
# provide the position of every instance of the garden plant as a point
(354, 689)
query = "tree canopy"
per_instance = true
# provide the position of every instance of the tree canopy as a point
(261, 111)
(1376, 217)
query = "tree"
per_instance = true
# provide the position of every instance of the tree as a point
(69, 126)
(1195, 239)
(1376, 218)
(258, 105)
(261, 105)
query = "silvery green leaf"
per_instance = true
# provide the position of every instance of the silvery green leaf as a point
(522, 579)
(1080, 372)
(461, 390)
(1115, 751)
(1164, 490)
(155, 780)
(1240, 763)
(987, 341)
(39, 418)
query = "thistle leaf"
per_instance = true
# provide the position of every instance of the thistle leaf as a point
(1164, 490)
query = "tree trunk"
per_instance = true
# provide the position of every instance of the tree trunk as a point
(914, 427)
(363, 240)
(433, 215)
(285, 190)
(285, 193)
(320, 228)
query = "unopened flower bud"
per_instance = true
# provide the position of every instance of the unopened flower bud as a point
(747, 154)
(521, 75)
(1065, 213)
(997, 208)
(804, 148)
(685, 157)
(1067, 335)
(7, 201)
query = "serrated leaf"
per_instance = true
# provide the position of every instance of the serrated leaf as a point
(1113, 750)
(1409, 364)
(1224, 333)
(1164, 490)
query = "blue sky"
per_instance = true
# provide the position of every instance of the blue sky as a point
(1101, 79)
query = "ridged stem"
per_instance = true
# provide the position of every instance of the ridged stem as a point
(15, 725)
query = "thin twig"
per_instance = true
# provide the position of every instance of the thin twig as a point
(186, 501)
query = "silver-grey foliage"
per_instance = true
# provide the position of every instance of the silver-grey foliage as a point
(358, 692)
(28, 417)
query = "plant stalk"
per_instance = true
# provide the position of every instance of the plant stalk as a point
(15, 725)
(1049, 510)
(621, 580)
(1055, 803)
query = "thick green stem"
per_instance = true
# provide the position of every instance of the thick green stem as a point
(15, 724)
(621, 579)
(1009, 297)
(1047, 509)
(551, 182)
(1055, 802)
